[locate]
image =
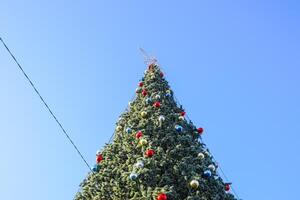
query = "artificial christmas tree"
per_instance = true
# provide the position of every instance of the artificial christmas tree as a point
(156, 153)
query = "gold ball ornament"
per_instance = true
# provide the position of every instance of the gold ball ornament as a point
(119, 128)
(143, 142)
(152, 76)
(144, 114)
(194, 184)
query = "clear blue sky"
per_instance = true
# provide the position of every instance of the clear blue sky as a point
(234, 65)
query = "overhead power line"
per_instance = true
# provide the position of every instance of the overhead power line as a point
(46, 105)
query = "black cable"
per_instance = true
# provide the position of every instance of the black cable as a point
(46, 105)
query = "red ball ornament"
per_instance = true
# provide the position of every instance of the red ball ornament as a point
(99, 158)
(157, 104)
(162, 197)
(139, 134)
(141, 84)
(144, 92)
(149, 153)
(200, 130)
(227, 187)
(182, 113)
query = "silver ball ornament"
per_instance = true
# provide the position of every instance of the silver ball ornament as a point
(201, 155)
(98, 152)
(128, 130)
(211, 167)
(139, 164)
(161, 118)
(133, 176)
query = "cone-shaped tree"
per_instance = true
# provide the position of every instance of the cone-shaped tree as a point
(156, 153)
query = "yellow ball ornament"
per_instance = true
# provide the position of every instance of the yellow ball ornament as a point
(194, 184)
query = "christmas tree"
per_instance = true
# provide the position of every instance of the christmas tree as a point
(156, 153)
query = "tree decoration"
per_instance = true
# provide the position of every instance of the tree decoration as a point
(119, 128)
(139, 134)
(139, 164)
(227, 186)
(141, 84)
(133, 176)
(144, 93)
(157, 96)
(161, 74)
(201, 155)
(216, 164)
(144, 114)
(182, 113)
(207, 153)
(168, 95)
(151, 66)
(181, 118)
(96, 168)
(157, 104)
(211, 167)
(149, 153)
(178, 128)
(143, 142)
(194, 184)
(200, 130)
(98, 152)
(207, 174)
(162, 196)
(161, 118)
(148, 100)
(128, 130)
(99, 158)
(130, 103)
(138, 90)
